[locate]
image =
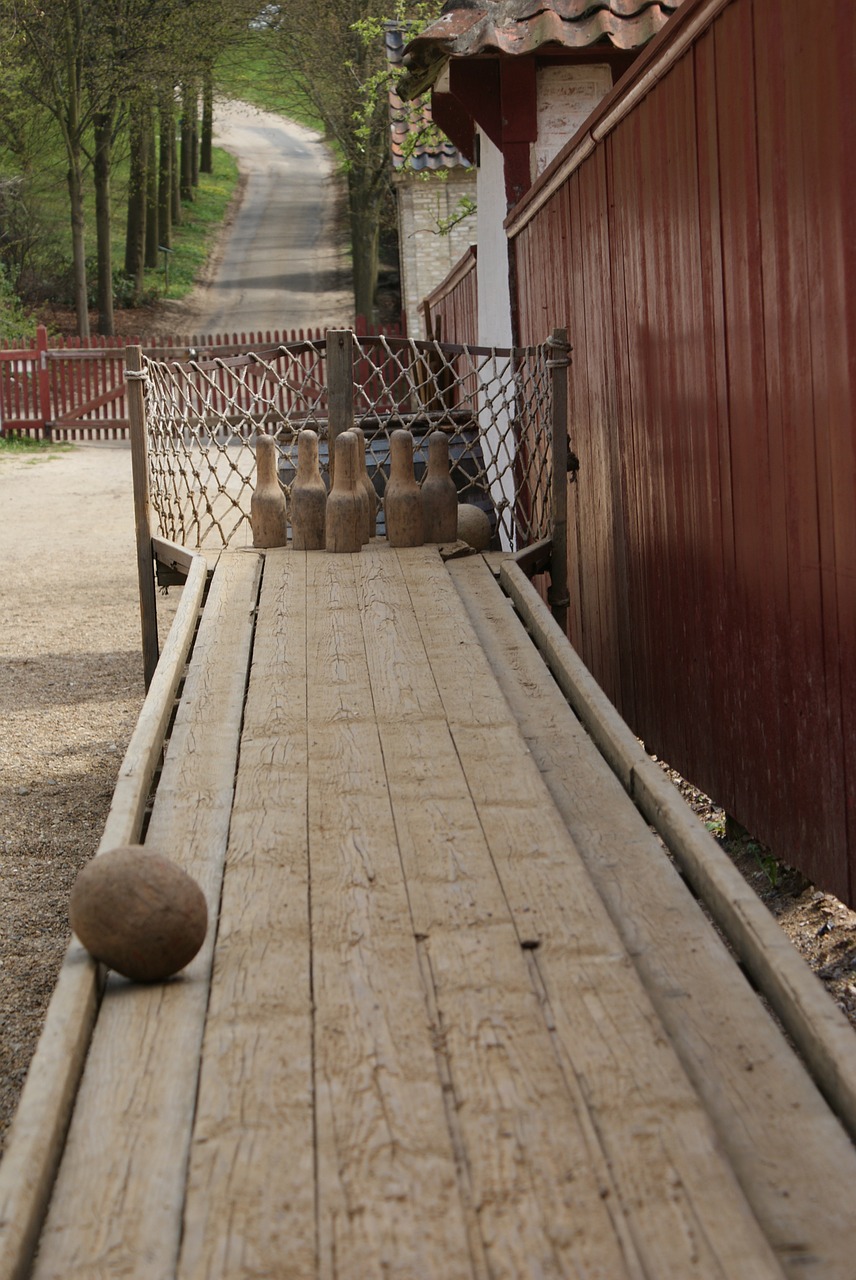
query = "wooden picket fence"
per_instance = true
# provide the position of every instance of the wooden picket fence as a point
(74, 388)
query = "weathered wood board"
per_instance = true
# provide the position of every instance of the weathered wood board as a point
(422, 1041)
(763, 1103)
(117, 1204)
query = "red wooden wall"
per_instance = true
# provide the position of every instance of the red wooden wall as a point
(451, 310)
(708, 282)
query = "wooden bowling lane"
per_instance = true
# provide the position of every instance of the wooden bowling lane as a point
(414, 1046)
(427, 1053)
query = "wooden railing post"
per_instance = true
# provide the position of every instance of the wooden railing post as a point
(142, 509)
(558, 365)
(43, 380)
(340, 387)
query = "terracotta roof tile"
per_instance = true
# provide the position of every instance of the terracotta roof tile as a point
(412, 119)
(523, 26)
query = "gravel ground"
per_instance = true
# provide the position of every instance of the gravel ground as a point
(71, 687)
(70, 690)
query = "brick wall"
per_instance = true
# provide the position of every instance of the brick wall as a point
(426, 256)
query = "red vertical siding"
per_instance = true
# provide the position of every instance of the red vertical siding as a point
(451, 310)
(709, 286)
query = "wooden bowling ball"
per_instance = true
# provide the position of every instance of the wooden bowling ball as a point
(473, 526)
(138, 913)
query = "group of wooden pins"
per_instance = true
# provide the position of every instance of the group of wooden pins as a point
(345, 519)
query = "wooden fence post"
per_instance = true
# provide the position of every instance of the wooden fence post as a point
(142, 509)
(43, 379)
(558, 365)
(340, 388)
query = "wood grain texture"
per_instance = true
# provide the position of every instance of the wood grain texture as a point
(537, 1187)
(308, 497)
(142, 511)
(388, 1201)
(250, 1207)
(117, 1203)
(793, 1160)
(268, 515)
(346, 517)
(421, 1048)
(439, 495)
(675, 1188)
(402, 499)
(35, 1140)
(817, 1026)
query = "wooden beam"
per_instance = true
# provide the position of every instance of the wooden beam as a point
(475, 84)
(534, 558)
(340, 388)
(457, 123)
(142, 512)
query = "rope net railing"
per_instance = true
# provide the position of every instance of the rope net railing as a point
(203, 416)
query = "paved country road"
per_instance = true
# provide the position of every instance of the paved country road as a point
(282, 263)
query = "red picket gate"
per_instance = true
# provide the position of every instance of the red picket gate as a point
(74, 389)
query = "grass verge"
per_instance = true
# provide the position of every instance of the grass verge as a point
(194, 238)
(252, 72)
(30, 450)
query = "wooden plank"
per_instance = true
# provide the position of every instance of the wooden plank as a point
(117, 1203)
(388, 1198)
(35, 1140)
(818, 1028)
(251, 1183)
(686, 1211)
(794, 1162)
(538, 1190)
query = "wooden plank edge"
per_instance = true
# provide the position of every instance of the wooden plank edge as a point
(822, 1035)
(37, 1134)
(173, 556)
(535, 558)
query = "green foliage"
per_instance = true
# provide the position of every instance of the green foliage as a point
(769, 865)
(334, 55)
(250, 71)
(37, 450)
(85, 65)
(45, 273)
(200, 225)
(15, 321)
(465, 208)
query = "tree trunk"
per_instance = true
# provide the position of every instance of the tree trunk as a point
(152, 211)
(78, 245)
(175, 188)
(194, 152)
(188, 129)
(206, 156)
(167, 132)
(70, 123)
(103, 130)
(135, 227)
(365, 234)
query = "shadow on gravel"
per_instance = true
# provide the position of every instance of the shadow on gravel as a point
(69, 679)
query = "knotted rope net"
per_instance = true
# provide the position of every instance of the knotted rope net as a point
(203, 416)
